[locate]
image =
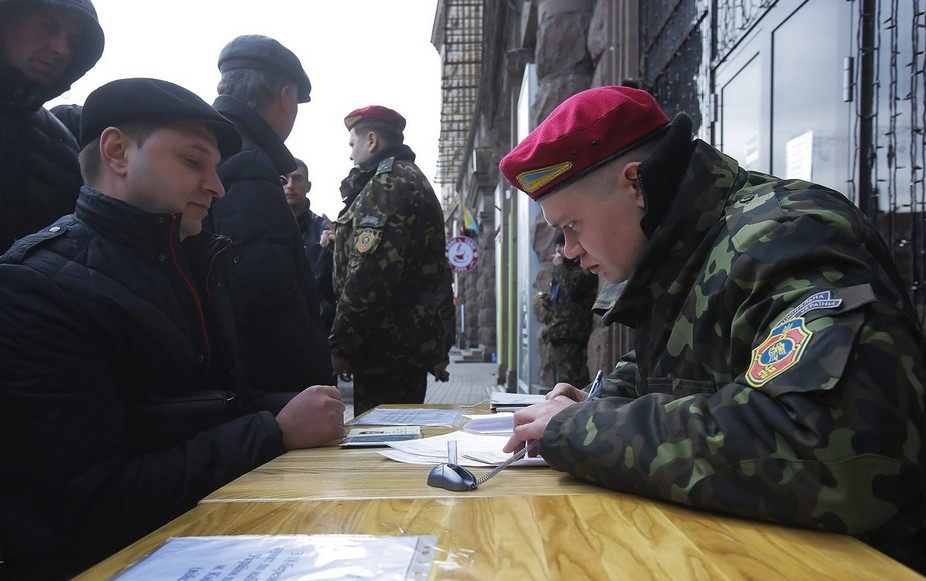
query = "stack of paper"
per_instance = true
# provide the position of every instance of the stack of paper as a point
(472, 449)
(381, 436)
(506, 402)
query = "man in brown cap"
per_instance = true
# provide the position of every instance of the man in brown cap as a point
(394, 319)
(121, 402)
(281, 338)
(778, 363)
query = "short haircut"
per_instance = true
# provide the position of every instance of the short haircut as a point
(259, 89)
(387, 132)
(300, 163)
(601, 179)
(90, 158)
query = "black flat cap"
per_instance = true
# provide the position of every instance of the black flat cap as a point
(152, 100)
(254, 51)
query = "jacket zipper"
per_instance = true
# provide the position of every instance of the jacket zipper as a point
(199, 306)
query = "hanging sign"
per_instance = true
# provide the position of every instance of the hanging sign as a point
(462, 253)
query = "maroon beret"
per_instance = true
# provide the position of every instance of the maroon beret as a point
(583, 133)
(374, 113)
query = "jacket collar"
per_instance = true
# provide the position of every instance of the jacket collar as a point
(709, 183)
(149, 235)
(253, 127)
(399, 151)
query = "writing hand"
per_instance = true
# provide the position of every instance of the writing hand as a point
(567, 390)
(530, 422)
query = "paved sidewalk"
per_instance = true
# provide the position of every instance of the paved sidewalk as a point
(469, 383)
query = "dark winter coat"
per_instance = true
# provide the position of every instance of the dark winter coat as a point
(120, 405)
(39, 175)
(280, 338)
(321, 260)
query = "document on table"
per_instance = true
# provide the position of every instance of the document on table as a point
(477, 450)
(379, 436)
(410, 417)
(512, 401)
(267, 557)
(500, 423)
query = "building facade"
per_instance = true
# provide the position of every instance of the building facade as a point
(834, 91)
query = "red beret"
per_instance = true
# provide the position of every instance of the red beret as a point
(583, 133)
(374, 113)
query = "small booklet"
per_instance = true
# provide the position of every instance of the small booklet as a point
(508, 402)
(380, 436)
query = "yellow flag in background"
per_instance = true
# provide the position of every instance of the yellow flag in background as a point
(469, 223)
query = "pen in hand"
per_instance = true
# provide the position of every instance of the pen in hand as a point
(596, 387)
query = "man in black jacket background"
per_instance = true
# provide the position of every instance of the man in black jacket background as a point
(121, 404)
(45, 45)
(281, 342)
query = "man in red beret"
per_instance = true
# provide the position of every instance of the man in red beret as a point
(394, 317)
(778, 369)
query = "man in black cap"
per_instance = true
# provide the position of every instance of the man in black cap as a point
(281, 341)
(45, 45)
(121, 404)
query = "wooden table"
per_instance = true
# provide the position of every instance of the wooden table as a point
(526, 523)
(601, 536)
(362, 473)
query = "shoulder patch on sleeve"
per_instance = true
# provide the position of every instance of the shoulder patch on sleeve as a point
(781, 351)
(367, 240)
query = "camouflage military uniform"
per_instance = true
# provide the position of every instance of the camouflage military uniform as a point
(390, 276)
(568, 317)
(778, 370)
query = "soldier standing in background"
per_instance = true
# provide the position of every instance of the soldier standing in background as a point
(567, 314)
(391, 277)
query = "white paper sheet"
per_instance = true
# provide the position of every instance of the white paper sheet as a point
(475, 450)
(266, 557)
(500, 423)
(410, 417)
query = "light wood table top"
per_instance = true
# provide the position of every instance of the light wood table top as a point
(360, 473)
(601, 536)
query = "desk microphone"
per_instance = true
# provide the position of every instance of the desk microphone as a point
(452, 476)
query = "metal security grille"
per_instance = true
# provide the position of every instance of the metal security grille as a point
(458, 39)
(683, 41)
(897, 157)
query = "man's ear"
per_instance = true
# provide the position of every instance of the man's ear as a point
(630, 178)
(308, 186)
(373, 141)
(286, 92)
(114, 145)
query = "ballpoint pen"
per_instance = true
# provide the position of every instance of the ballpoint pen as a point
(596, 387)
